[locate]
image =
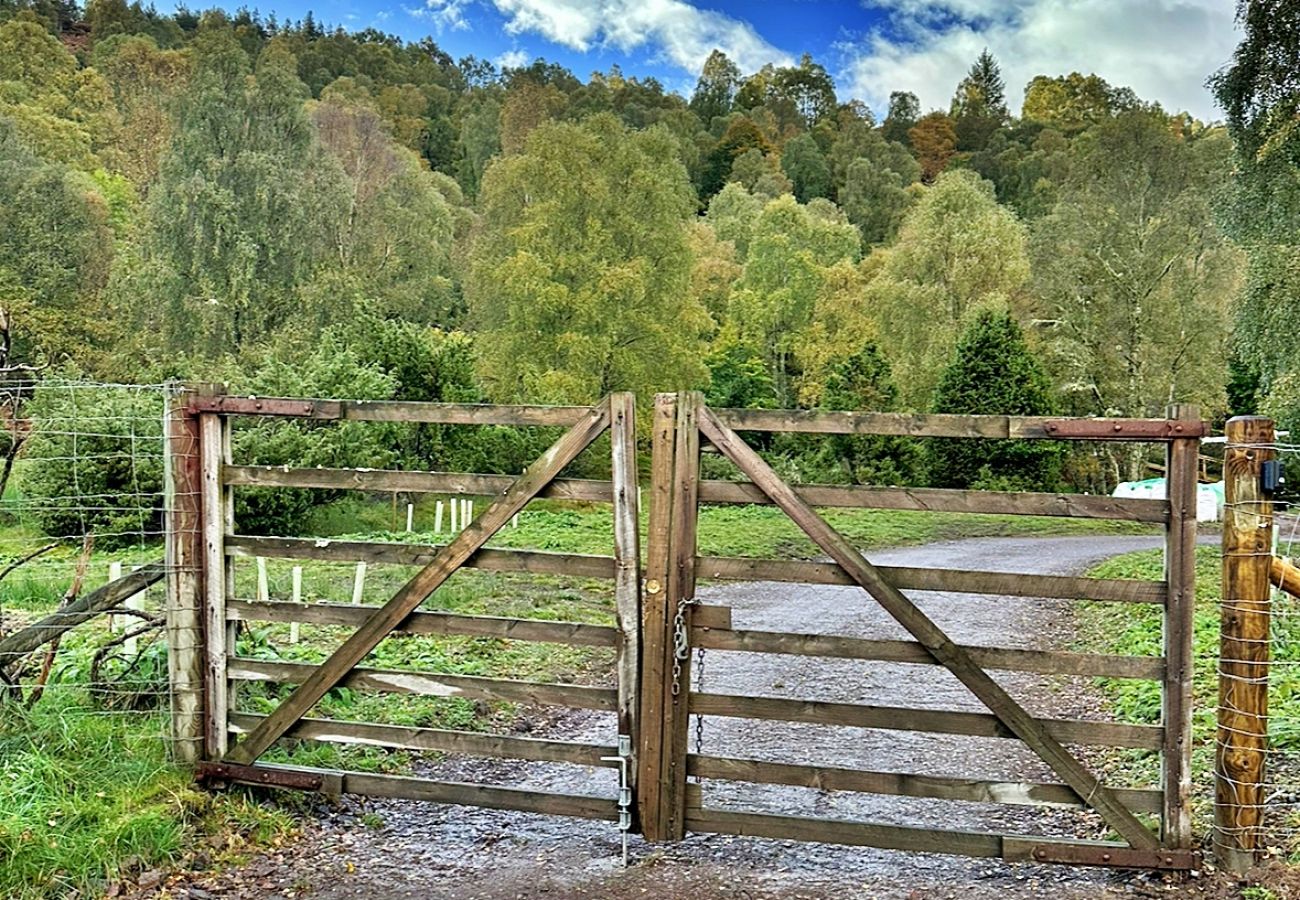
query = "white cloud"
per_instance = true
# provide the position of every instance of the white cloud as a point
(682, 34)
(1163, 49)
(513, 59)
(444, 13)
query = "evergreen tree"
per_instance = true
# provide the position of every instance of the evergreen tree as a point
(979, 107)
(993, 372)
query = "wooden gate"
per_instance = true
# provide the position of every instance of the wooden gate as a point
(653, 697)
(204, 541)
(675, 623)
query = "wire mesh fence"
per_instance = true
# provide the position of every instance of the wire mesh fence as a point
(82, 503)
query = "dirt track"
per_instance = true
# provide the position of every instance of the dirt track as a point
(430, 851)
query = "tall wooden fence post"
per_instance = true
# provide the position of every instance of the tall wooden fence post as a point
(184, 586)
(217, 520)
(1180, 574)
(1244, 642)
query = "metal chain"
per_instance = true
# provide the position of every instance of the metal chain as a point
(681, 642)
(699, 686)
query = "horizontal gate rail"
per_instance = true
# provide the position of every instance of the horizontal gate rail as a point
(1012, 848)
(391, 411)
(580, 806)
(960, 581)
(1008, 503)
(1043, 662)
(902, 784)
(469, 687)
(539, 630)
(936, 721)
(535, 562)
(960, 426)
(385, 480)
(470, 743)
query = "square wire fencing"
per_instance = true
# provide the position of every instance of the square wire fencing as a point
(83, 610)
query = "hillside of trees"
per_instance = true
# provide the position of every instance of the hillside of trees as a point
(301, 210)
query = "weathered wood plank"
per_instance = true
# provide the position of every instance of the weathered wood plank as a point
(935, 721)
(956, 426)
(393, 411)
(578, 806)
(1176, 695)
(840, 831)
(681, 597)
(656, 638)
(535, 562)
(469, 687)
(627, 561)
(1045, 662)
(387, 480)
(539, 630)
(1018, 503)
(1003, 584)
(184, 589)
(935, 787)
(1008, 712)
(471, 743)
(1014, 848)
(215, 524)
(422, 584)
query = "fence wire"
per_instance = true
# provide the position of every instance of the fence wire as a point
(83, 471)
(1268, 811)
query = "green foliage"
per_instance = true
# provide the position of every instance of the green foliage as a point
(957, 248)
(1073, 102)
(805, 166)
(55, 249)
(993, 372)
(579, 276)
(1132, 275)
(92, 463)
(716, 90)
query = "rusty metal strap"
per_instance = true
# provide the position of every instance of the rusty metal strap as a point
(207, 772)
(1086, 854)
(1124, 429)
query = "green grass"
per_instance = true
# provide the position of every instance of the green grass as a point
(84, 793)
(1133, 629)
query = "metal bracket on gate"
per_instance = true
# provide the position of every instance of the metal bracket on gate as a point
(1087, 854)
(624, 760)
(211, 772)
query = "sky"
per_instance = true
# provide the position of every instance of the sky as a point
(1163, 49)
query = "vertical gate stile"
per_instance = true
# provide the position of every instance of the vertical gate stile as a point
(656, 646)
(681, 597)
(1180, 606)
(1244, 642)
(184, 593)
(627, 549)
(213, 446)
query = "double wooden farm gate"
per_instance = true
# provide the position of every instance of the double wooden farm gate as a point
(658, 621)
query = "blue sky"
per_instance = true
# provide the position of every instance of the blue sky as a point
(1163, 49)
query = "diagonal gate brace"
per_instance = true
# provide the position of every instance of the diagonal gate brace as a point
(422, 584)
(941, 647)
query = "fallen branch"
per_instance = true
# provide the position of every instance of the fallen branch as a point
(20, 643)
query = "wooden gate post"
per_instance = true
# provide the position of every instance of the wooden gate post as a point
(1243, 642)
(656, 621)
(1180, 607)
(217, 519)
(184, 585)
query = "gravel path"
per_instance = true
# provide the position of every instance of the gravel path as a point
(430, 851)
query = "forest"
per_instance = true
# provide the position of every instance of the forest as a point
(300, 210)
